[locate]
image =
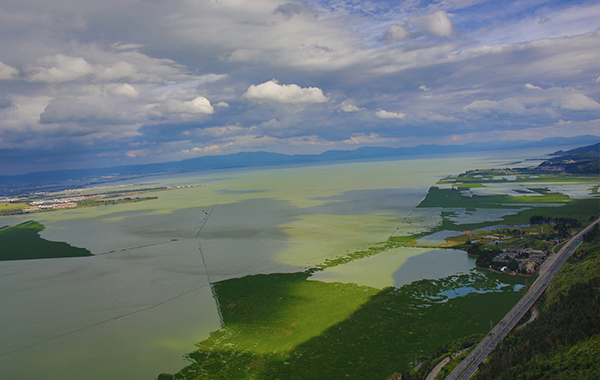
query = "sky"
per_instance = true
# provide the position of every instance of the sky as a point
(116, 82)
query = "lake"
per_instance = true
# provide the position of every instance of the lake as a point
(143, 300)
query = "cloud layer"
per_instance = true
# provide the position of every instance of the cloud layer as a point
(273, 92)
(82, 86)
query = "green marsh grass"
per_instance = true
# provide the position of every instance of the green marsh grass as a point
(23, 242)
(281, 326)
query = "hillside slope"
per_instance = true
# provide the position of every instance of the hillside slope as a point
(564, 341)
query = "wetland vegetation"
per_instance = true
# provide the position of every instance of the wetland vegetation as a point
(302, 222)
(23, 242)
(282, 326)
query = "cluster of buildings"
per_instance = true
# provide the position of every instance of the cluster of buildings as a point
(527, 259)
(46, 200)
(60, 203)
(497, 237)
(9, 200)
(52, 206)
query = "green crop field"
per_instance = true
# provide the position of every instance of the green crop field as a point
(11, 208)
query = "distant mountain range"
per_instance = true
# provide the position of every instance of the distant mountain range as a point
(595, 149)
(62, 179)
(584, 160)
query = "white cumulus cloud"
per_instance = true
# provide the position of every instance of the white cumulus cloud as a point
(273, 92)
(7, 72)
(436, 24)
(117, 71)
(210, 78)
(243, 55)
(63, 68)
(66, 110)
(382, 114)
(60, 68)
(362, 138)
(224, 131)
(348, 107)
(93, 64)
(530, 86)
(579, 102)
(125, 90)
(509, 106)
(198, 105)
(396, 33)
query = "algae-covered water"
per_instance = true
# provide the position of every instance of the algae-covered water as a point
(143, 300)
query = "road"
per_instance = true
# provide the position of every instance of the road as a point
(534, 315)
(469, 365)
(437, 369)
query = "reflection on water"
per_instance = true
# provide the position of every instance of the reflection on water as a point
(475, 285)
(461, 292)
(438, 238)
(433, 264)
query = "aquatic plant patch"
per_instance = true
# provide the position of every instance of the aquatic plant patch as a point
(281, 326)
(23, 242)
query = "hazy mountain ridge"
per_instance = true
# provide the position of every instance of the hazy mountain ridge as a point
(585, 149)
(584, 160)
(60, 179)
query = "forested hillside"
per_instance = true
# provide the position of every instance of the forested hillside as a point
(585, 160)
(564, 341)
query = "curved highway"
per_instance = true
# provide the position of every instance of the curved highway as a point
(551, 266)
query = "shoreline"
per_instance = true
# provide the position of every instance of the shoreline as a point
(510, 274)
